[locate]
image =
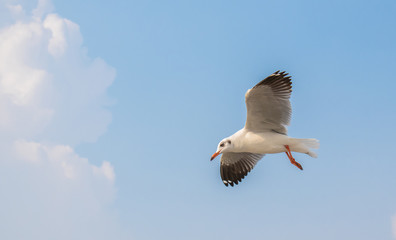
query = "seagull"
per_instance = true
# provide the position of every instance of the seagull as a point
(268, 114)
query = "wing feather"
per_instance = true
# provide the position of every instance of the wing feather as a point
(235, 166)
(268, 105)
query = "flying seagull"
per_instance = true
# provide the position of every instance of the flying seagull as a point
(268, 114)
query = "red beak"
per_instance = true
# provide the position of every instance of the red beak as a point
(214, 155)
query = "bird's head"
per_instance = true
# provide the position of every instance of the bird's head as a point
(224, 146)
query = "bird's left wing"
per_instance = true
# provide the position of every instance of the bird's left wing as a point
(268, 105)
(235, 166)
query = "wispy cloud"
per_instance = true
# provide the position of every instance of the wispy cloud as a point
(52, 97)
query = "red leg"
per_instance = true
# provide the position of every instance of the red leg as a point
(292, 160)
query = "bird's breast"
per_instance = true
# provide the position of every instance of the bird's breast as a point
(262, 143)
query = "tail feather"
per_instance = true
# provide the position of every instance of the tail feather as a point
(311, 143)
(312, 154)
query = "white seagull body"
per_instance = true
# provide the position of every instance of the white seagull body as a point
(268, 114)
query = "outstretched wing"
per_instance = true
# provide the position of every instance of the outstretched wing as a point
(268, 105)
(235, 166)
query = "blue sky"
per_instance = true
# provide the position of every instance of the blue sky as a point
(172, 75)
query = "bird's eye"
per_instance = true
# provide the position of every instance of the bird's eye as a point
(229, 141)
(222, 145)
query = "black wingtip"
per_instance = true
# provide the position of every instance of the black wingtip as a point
(225, 183)
(230, 183)
(277, 79)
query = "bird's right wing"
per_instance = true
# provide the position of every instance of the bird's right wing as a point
(235, 166)
(268, 105)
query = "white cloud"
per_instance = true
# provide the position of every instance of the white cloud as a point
(52, 97)
(49, 192)
(49, 87)
(43, 7)
(106, 169)
(63, 159)
(16, 10)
